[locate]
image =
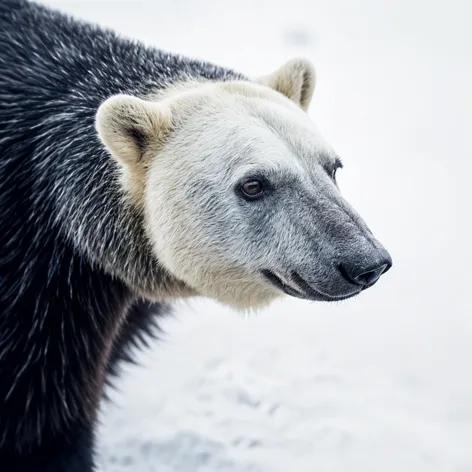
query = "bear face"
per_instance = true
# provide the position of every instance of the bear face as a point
(237, 190)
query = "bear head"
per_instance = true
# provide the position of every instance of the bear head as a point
(237, 189)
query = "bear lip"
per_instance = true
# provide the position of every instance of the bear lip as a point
(281, 285)
(304, 290)
(315, 294)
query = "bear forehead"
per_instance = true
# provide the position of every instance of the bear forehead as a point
(189, 92)
(249, 115)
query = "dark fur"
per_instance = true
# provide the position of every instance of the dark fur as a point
(71, 253)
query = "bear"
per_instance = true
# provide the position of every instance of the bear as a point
(131, 177)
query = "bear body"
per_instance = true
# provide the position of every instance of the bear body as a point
(60, 315)
(130, 177)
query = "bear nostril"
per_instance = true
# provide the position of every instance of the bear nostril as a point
(365, 278)
(370, 277)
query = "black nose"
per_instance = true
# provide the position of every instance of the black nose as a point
(359, 274)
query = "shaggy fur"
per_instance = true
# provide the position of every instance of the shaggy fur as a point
(74, 261)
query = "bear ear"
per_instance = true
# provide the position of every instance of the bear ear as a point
(295, 79)
(129, 127)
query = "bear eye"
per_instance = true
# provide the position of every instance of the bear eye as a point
(252, 189)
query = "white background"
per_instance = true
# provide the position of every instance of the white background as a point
(378, 383)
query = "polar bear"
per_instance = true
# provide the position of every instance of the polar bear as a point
(130, 178)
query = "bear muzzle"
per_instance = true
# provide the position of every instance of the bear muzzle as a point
(357, 271)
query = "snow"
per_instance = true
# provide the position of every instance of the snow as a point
(382, 382)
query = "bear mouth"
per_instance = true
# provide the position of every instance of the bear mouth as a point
(302, 288)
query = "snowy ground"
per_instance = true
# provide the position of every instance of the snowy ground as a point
(379, 383)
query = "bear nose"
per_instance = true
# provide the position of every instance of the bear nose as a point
(360, 275)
